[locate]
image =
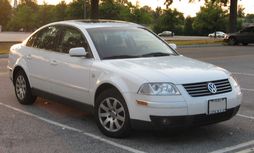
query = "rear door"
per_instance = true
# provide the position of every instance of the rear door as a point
(70, 75)
(246, 35)
(41, 44)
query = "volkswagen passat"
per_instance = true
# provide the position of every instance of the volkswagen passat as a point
(125, 73)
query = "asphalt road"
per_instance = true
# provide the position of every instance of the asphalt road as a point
(50, 126)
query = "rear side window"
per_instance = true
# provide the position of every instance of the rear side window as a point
(71, 38)
(46, 38)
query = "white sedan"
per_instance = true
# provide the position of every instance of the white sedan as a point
(219, 34)
(166, 34)
(127, 75)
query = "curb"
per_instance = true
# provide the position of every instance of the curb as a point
(200, 45)
(4, 56)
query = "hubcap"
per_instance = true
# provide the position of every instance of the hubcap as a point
(20, 87)
(111, 114)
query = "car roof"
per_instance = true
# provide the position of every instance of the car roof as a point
(97, 23)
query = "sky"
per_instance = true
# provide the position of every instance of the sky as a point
(189, 9)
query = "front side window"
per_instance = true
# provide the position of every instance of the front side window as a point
(71, 38)
(46, 38)
(113, 43)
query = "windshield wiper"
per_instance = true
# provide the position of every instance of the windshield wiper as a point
(121, 56)
(155, 54)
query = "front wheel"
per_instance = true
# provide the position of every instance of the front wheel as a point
(232, 41)
(112, 114)
(23, 89)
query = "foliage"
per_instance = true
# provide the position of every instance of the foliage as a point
(24, 19)
(5, 13)
(142, 15)
(75, 9)
(111, 9)
(170, 20)
(210, 18)
(28, 16)
(60, 12)
(188, 26)
(249, 18)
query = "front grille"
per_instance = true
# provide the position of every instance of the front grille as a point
(201, 89)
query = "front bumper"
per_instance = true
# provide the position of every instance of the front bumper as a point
(182, 105)
(165, 122)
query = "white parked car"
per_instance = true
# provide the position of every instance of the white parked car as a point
(166, 34)
(219, 34)
(129, 76)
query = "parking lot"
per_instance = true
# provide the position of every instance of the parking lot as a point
(50, 126)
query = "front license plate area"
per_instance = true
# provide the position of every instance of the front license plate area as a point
(217, 105)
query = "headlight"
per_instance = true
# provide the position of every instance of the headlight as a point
(159, 89)
(235, 82)
(226, 36)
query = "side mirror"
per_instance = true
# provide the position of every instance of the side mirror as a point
(173, 46)
(77, 52)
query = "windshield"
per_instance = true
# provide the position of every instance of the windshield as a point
(115, 43)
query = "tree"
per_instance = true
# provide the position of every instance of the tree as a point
(31, 3)
(44, 15)
(210, 18)
(110, 9)
(233, 16)
(75, 9)
(5, 12)
(94, 9)
(143, 15)
(188, 26)
(60, 11)
(232, 7)
(170, 20)
(23, 18)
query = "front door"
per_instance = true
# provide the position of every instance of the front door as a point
(70, 75)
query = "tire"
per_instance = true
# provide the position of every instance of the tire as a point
(232, 41)
(23, 89)
(245, 44)
(112, 115)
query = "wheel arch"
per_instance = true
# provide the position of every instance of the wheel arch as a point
(16, 69)
(103, 87)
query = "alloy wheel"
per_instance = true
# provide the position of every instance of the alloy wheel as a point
(20, 87)
(111, 114)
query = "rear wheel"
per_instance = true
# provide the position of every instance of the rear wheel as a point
(232, 41)
(112, 114)
(23, 89)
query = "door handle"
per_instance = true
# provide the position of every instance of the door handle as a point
(29, 57)
(53, 62)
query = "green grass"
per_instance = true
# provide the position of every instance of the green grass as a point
(5, 47)
(196, 42)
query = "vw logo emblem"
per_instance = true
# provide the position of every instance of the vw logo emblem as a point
(212, 88)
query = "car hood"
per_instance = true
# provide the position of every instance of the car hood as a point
(234, 34)
(175, 69)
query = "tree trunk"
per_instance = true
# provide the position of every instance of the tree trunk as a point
(94, 9)
(233, 16)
